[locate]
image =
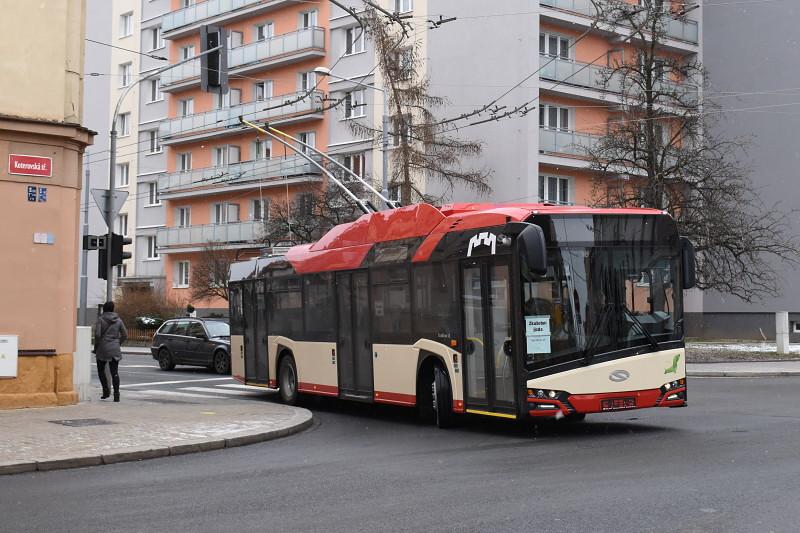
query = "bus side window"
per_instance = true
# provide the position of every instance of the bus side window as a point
(391, 305)
(285, 310)
(319, 306)
(435, 298)
(235, 299)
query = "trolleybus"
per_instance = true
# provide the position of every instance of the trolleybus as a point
(514, 311)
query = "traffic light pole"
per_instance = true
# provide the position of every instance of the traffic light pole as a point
(112, 162)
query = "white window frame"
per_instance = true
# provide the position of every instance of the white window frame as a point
(397, 135)
(266, 88)
(309, 138)
(123, 176)
(122, 224)
(355, 104)
(261, 149)
(187, 51)
(562, 182)
(795, 327)
(126, 24)
(184, 161)
(561, 112)
(155, 94)
(152, 248)
(154, 143)
(123, 124)
(306, 81)
(403, 6)
(264, 32)
(355, 41)
(405, 62)
(182, 275)
(153, 197)
(564, 43)
(240, 40)
(308, 19)
(185, 107)
(125, 74)
(183, 217)
(157, 39)
(264, 209)
(349, 161)
(122, 270)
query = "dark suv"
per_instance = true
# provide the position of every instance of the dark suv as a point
(193, 341)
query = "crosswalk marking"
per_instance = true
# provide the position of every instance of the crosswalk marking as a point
(242, 387)
(214, 390)
(155, 392)
(174, 382)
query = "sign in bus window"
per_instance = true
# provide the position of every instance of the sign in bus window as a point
(537, 334)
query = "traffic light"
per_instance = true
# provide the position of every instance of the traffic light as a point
(214, 66)
(116, 251)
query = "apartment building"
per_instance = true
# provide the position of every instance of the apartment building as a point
(221, 177)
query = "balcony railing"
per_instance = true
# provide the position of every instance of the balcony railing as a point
(253, 53)
(565, 142)
(591, 76)
(684, 30)
(230, 233)
(228, 117)
(236, 173)
(203, 10)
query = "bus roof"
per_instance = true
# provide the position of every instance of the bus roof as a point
(346, 246)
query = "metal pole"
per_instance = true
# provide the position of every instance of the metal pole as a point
(110, 207)
(84, 253)
(385, 144)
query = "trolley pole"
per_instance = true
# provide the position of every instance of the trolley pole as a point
(82, 318)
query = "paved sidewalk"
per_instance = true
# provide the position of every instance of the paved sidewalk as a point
(103, 432)
(744, 369)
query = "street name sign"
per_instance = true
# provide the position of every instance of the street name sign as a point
(30, 165)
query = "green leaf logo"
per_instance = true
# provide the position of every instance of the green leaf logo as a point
(674, 367)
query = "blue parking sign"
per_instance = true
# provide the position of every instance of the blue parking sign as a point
(31, 193)
(42, 194)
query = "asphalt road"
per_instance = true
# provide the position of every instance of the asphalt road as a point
(729, 462)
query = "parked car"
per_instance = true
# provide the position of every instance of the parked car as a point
(193, 341)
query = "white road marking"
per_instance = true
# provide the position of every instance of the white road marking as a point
(172, 393)
(244, 387)
(173, 382)
(213, 390)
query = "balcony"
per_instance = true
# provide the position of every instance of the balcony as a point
(280, 50)
(225, 121)
(580, 74)
(262, 172)
(683, 30)
(194, 238)
(187, 20)
(565, 142)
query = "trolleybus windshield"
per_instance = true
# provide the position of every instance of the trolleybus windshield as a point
(611, 286)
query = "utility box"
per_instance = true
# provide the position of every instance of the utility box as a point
(8, 355)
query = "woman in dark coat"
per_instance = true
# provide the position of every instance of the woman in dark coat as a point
(109, 335)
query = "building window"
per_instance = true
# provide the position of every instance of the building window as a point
(554, 117)
(394, 193)
(305, 203)
(152, 247)
(126, 25)
(235, 39)
(354, 105)
(403, 6)
(355, 40)
(184, 217)
(404, 60)
(186, 107)
(122, 224)
(262, 149)
(554, 45)
(308, 19)
(222, 213)
(123, 174)
(187, 51)
(795, 327)
(186, 3)
(185, 161)
(123, 124)
(156, 39)
(155, 142)
(554, 189)
(265, 31)
(232, 98)
(262, 90)
(152, 194)
(183, 274)
(125, 74)
(308, 81)
(401, 130)
(259, 209)
(122, 271)
(155, 91)
(226, 155)
(309, 138)
(355, 164)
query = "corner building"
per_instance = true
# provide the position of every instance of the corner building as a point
(222, 179)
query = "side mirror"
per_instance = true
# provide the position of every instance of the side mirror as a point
(689, 276)
(533, 249)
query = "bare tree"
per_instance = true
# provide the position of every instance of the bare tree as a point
(421, 147)
(211, 272)
(314, 210)
(662, 150)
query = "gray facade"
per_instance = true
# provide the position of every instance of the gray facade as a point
(96, 95)
(750, 80)
(150, 215)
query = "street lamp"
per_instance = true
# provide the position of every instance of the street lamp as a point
(322, 71)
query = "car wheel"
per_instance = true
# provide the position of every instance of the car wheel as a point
(165, 361)
(222, 362)
(287, 380)
(442, 398)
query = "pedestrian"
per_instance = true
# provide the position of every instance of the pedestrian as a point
(109, 335)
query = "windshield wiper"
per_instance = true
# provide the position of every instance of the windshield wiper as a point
(635, 320)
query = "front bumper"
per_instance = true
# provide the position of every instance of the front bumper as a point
(565, 404)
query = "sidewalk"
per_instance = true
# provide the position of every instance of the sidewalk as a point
(102, 432)
(744, 369)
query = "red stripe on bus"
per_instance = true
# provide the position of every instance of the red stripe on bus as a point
(313, 388)
(273, 383)
(395, 398)
(590, 403)
(458, 406)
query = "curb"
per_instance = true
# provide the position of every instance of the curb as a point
(63, 463)
(741, 374)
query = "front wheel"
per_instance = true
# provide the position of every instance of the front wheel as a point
(442, 398)
(222, 362)
(165, 361)
(287, 380)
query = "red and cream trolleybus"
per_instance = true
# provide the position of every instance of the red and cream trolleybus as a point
(515, 311)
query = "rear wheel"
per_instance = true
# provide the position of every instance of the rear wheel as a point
(165, 361)
(287, 380)
(222, 362)
(442, 398)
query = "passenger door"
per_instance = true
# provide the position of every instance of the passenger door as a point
(197, 344)
(354, 347)
(177, 340)
(488, 349)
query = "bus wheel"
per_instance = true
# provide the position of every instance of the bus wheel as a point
(442, 398)
(287, 380)
(165, 361)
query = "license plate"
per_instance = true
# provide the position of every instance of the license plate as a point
(617, 404)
